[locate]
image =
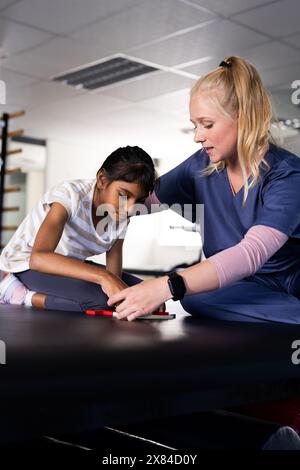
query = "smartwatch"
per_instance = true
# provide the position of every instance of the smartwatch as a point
(176, 285)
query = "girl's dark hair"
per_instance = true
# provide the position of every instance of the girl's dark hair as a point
(130, 164)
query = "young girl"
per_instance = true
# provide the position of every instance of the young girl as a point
(73, 221)
(250, 191)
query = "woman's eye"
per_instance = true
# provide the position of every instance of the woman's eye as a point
(207, 126)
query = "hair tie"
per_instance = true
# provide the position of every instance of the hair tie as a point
(225, 64)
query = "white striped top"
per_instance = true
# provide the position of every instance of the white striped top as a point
(79, 238)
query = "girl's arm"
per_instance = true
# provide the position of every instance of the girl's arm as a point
(43, 258)
(114, 258)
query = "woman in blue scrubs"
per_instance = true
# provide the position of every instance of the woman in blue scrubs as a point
(273, 292)
(250, 191)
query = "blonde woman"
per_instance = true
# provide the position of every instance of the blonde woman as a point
(250, 191)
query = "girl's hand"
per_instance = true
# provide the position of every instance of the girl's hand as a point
(112, 285)
(141, 299)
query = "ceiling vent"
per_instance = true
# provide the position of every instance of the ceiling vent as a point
(104, 73)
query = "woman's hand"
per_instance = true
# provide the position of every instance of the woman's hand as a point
(112, 285)
(141, 299)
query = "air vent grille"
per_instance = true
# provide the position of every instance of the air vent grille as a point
(105, 73)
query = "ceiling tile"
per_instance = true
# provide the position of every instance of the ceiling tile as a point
(40, 93)
(137, 107)
(145, 22)
(228, 7)
(55, 57)
(175, 103)
(218, 39)
(16, 37)
(64, 16)
(266, 60)
(84, 108)
(6, 3)
(202, 68)
(281, 76)
(277, 19)
(264, 57)
(294, 40)
(14, 79)
(272, 54)
(140, 89)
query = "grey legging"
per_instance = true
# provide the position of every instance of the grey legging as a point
(65, 293)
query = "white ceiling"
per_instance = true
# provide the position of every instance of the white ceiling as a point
(184, 38)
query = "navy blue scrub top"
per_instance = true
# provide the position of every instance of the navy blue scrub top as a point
(274, 201)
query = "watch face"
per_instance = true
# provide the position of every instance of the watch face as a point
(176, 285)
(171, 287)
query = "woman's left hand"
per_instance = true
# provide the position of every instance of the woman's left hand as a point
(141, 299)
